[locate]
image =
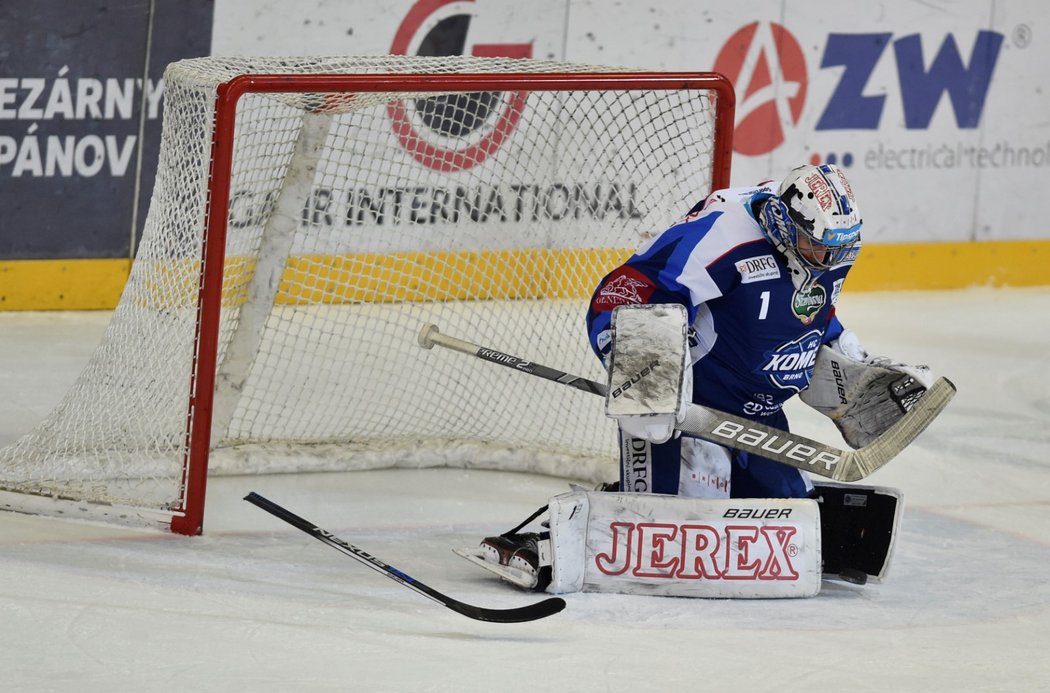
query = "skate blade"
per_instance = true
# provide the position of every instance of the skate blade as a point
(518, 577)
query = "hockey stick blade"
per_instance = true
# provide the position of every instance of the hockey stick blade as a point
(743, 434)
(532, 612)
(878, 452)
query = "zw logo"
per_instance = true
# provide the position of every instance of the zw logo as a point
(967, 87)
(762, 442)
(634, 380)
(766, 63)
(699, 551)
(424, 126)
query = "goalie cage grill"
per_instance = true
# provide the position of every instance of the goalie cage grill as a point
(309, 214)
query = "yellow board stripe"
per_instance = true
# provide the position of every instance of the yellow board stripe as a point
(446, 276)
(926, 266)
(62, 284)
(484, 275)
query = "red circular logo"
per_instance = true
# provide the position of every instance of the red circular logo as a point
(421, 125)
(767, 67)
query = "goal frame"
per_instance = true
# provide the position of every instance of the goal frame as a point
(188, 513)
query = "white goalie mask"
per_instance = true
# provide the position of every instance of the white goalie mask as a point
(814, 207)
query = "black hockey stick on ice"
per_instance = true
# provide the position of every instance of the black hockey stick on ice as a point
(742, 434)
(532, 612)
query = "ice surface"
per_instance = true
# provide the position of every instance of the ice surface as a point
(256, 605)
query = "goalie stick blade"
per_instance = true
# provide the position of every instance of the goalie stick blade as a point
(504, 572)
(877, 453)
(532, 612)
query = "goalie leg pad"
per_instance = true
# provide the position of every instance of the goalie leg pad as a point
(684, 547)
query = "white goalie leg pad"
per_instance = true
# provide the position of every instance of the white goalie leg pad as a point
(631, 543)
(650, 378)
(863, 398)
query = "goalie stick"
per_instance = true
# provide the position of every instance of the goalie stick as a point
(532, 612)
(743, 434)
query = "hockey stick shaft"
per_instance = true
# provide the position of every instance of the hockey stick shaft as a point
(743, 434)
(542, 609)
(430, 335)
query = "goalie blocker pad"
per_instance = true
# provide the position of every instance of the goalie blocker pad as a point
(650, 379)
(684, 547)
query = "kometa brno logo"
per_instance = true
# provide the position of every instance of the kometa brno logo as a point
(766, 65)
(456, 131)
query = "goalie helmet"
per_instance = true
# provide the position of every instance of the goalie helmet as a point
(813, 217)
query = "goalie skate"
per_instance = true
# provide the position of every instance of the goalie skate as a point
(520, 559)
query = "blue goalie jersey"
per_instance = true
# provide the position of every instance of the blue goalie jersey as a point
(756, 323)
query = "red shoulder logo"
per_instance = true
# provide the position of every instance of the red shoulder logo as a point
(625, 286)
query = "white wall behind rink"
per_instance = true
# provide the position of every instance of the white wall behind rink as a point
(942, 129)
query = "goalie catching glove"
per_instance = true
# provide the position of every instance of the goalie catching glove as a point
(864, 395)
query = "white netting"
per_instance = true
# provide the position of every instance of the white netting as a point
(354, 219)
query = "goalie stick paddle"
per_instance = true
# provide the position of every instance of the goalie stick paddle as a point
(532, 612)
(743, 434)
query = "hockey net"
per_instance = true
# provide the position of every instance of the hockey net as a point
(309, 215)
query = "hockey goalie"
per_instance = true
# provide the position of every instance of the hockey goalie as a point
(732, 308)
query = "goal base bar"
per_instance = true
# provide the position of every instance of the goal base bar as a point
(70, 509)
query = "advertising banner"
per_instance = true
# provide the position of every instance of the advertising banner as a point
(937, 112)
(80, 113)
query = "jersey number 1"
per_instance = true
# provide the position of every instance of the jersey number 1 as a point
(764, 310)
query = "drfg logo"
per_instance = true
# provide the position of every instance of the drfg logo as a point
(743, 551)
(767, 65)
(458, 131)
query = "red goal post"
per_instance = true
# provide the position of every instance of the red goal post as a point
(189, 519)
